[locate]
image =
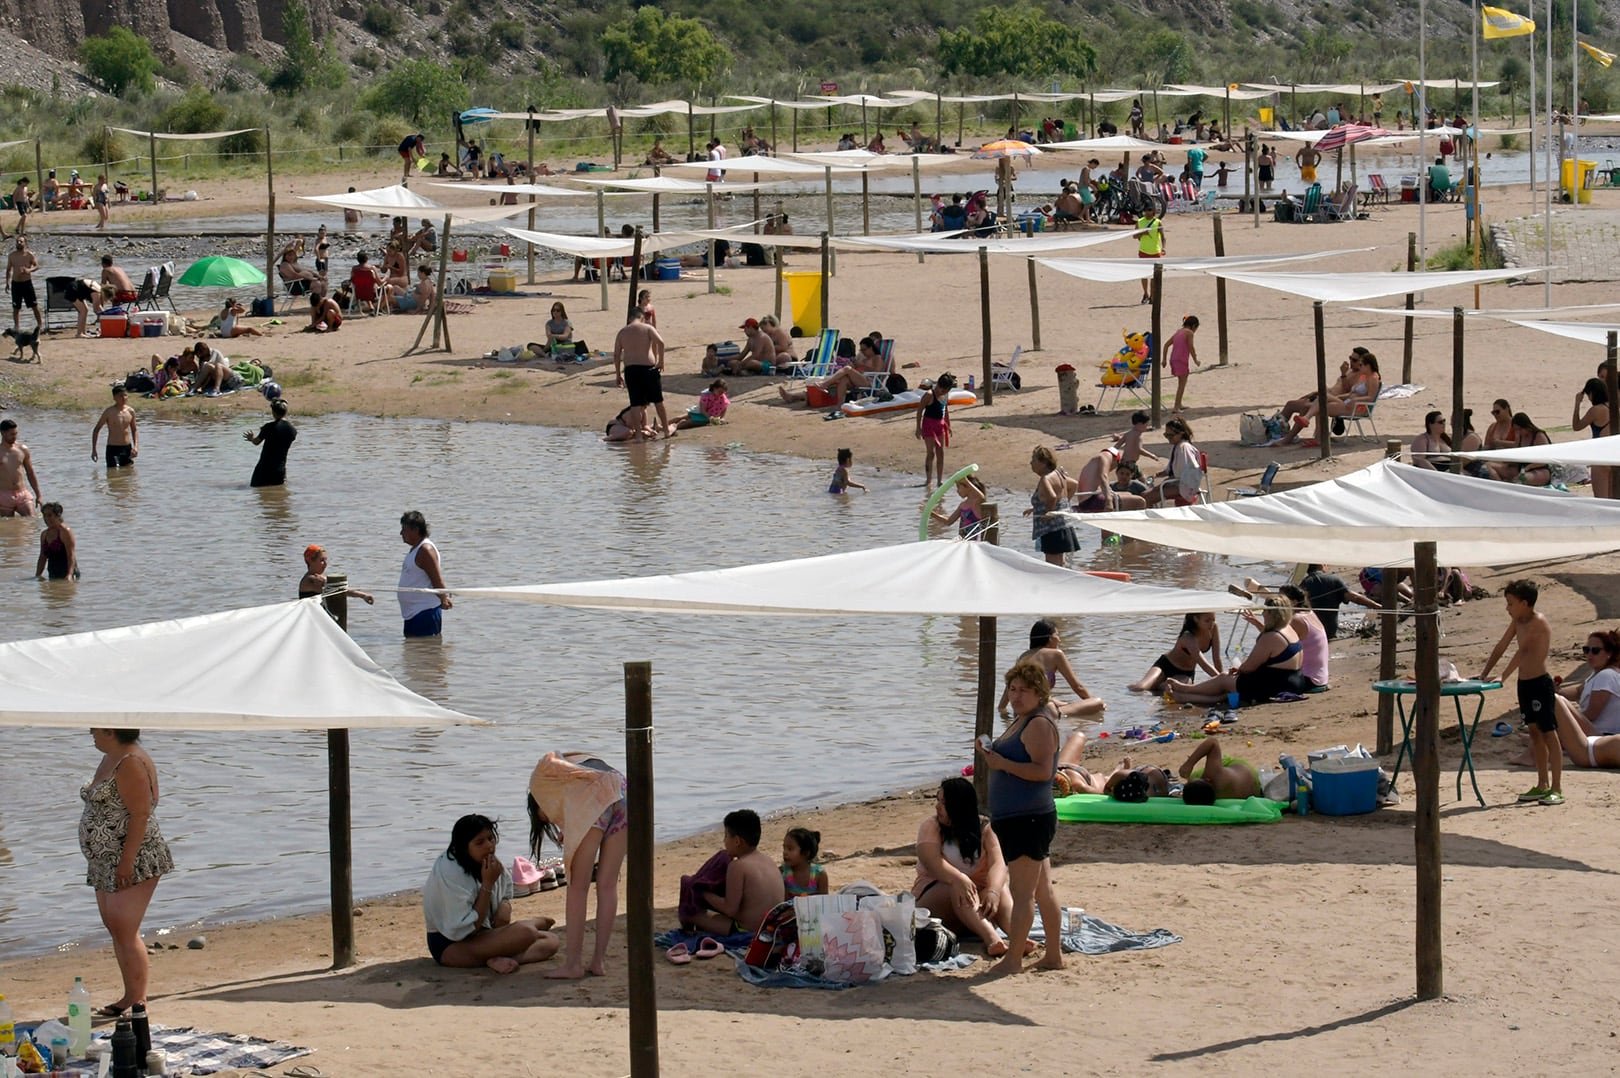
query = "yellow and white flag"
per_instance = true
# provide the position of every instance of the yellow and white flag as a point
(1498, 22)
(1604, 58)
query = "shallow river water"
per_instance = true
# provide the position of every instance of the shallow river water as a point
(750, 712)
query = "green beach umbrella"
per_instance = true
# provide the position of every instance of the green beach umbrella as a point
(218, 271)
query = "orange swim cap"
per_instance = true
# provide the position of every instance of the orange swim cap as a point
(312, 552)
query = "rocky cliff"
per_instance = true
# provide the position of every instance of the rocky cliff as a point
(227, 25)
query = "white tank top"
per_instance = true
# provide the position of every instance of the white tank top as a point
(412, 575)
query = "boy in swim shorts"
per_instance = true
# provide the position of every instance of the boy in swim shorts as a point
(16, 474)
(1536, 698)
(119, 419)
(753, 882)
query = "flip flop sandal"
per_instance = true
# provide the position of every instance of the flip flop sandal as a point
(109, 1010)
(710, 948)
(679, 954)
(1501, 729)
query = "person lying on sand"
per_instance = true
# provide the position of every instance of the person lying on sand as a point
(1222, 776)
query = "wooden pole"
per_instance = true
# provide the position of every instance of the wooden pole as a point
(39, 172)
(1426, 772)
(866, 203)
(151, 141)
(776, 257)
(1157, 349)
(1251, 172)
(691, 133)
(1325, 449)
(1034, 309)
(1457, 374)
(1220, 291)
(601, 230)
(534, 199)
(774, 147)
(270, 247)
(916, 197)
(1388, 644)
(827, 179)
(985, 703)
(826, 260)
(795, 130)
(339, 838)
(635, 277)
(709, 187)
(1406, 339)
(1612, 379)
(987, 389)
(638, 911)
(435, 315)
(655, 211)
(961, 118)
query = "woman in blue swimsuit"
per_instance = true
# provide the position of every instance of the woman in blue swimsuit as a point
(1273, 666)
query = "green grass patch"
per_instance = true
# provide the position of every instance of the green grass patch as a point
(1460, 256)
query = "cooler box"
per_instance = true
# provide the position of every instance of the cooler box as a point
(502, 281)
(804, 300)
(816, 397)
(153, 323)
(114, 323)
(668, 269)
(1344, 787)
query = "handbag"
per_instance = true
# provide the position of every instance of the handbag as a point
(935, 942)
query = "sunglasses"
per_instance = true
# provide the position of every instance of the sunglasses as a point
(1595, 651)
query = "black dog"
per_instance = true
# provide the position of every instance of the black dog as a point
(25, 338)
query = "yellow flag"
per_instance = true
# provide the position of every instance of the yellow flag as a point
(1497, 22)
(1604, 58)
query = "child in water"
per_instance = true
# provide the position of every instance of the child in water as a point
(971, 510)
(58, 552)
(800, 873)
(841, 482)
(1199, 636)
(1181, 349)
(934, 428)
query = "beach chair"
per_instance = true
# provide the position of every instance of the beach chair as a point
(1267, 478)
(367, 295)
(165, 283)
(1362, 413)
(1136, 387)
(818, 364)
(1204, 494)
(1341, 208)
(146, 298)
(1007, 377)
(1377, 190)
(878, 380)
(1311, 205)
(59, 310)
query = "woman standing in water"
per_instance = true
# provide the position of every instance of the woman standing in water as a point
(276, 437)
(124, 850)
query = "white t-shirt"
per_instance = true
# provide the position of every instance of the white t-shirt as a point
(1606, 680)
(449, 895)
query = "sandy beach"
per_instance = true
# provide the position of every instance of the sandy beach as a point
(1298, 937)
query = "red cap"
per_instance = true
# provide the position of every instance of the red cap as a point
(752, 323)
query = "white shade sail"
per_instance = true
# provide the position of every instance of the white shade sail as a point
(1114, 270)
(1373, 516)
(1587, 332)
(942, 577)
(1105, 144)
(1348, 287)
(1588, 452)
(1326, 87)
(196, 137)
(1529, 315)
(541, 189)
(617, 246)
(376, 200)
(281, 667)
(669, 185)
(943, 243)
(1223, 92)
(765, 166)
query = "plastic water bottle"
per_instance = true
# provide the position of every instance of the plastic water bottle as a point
(79, 1017)
(8, 1029)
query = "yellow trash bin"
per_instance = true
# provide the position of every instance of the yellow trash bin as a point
(1568, 179)
(804, 300)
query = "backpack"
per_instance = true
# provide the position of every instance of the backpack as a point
(776, 943)
(140, 382)
(935, 942)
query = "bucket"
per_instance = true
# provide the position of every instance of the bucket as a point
(1347, 786)
(668, 269)
(804, 299)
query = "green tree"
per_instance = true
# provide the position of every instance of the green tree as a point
(1015, 41)
(298, 70)
(194, 113)
(120, 61)
(656, 48)
(416, 90)
(1163, 56)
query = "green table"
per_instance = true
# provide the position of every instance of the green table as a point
(1456, 690)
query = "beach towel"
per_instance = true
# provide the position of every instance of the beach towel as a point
(1097, 936)
(195, 1051)
(736, 942)
(711, 878)
(792, 978)
(1390, 393)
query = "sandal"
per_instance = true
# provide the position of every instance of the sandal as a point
(710, 948)
(1501, 729)
(109, 1010)
(679, 954)
(1535, 793)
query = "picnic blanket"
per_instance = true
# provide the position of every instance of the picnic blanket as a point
(194, 1051)
(1094, 936)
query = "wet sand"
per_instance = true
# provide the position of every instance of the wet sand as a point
(1298, 936)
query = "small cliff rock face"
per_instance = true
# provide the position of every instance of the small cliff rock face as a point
(233, 25)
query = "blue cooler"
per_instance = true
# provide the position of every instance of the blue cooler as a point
(1344, 786)
(668, 269)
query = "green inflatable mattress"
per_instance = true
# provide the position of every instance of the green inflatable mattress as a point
(1100, 808)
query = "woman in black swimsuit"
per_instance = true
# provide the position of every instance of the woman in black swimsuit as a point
(57, 549)
(1199, 636)
(1273, 666)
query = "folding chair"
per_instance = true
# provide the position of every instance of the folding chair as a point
(1362, 412)
(1007, 377)
(165, 282)
(1377, 190)
(878, 380)
(1267, 478)
(1341, 208)
(820, 363)
(147, 296)
(367, 293)
(1134, 387)
(59, 310)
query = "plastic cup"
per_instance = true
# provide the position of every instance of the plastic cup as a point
(1232, 699)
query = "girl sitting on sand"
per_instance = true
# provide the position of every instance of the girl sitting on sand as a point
(1199, 636)
(969, 512)
(227, 321)
(711, 407)
(801, 875)
(467, 902)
